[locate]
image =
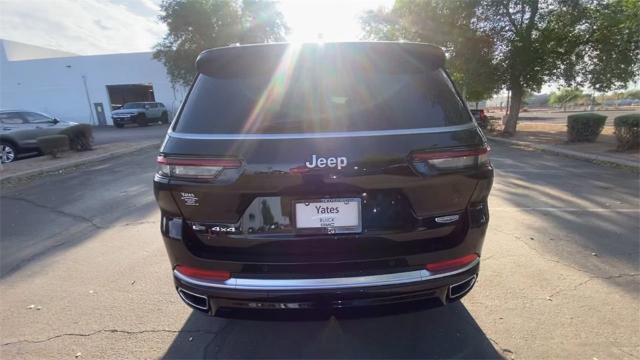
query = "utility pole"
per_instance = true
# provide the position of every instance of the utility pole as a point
(86, 91)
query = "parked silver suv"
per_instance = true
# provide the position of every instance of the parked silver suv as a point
(19, 130)
(140, 113)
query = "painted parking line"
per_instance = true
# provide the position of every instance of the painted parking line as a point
(530, 170)
(563, 209)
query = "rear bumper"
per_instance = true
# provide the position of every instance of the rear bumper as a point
(326, 293)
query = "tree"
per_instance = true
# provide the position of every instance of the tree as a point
(575, 42)
(446, 23)
(633, 94)
(197, 25)
(537, 100)
(566, 96)
(613, 50)
(537, 42)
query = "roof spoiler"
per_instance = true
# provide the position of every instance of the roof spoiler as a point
(248, 60)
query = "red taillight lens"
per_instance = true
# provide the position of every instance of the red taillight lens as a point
(195, 168)
(218, 275)
(452, 264)
(452, 159)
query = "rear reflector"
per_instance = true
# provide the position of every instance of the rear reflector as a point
(218, 275)
(452, 263)
(195, 168)
(452, 159)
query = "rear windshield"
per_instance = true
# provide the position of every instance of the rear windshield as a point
(332, 97)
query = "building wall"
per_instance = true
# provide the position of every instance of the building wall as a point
(14, 51)
(56, 85)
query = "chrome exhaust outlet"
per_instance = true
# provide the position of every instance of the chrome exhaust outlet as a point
(459, 289)
(197, 301)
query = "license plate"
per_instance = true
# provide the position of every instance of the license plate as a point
(332, 216)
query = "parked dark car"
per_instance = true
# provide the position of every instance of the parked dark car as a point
(323, 177)
(20, 129)
(140, 113)
(481, 118)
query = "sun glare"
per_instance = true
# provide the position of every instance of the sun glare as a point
(309, 21)
(326, 20)
(274, 93)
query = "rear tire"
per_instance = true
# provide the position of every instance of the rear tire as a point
(164, 119)
(119, 126)
(8, 152)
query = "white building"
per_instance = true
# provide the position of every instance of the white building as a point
(80, 88)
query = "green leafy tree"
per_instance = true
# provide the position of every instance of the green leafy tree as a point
(446, 23)
(633, 94)
(612, 52)
(537, 40)
(532, 42)
(197, 25)
(537, 100)
(566, 96)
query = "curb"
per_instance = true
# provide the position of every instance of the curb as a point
(74, 163)
(570, 153)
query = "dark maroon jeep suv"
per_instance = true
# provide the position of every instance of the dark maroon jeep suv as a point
(323, 176)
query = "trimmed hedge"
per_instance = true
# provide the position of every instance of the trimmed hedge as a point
(627, 130)
(584, 127)
(80, 137)
(53, 144)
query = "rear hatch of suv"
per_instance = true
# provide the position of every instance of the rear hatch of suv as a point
(285, 157)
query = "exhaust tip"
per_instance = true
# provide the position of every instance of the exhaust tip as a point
(461, 288)
(197, 301)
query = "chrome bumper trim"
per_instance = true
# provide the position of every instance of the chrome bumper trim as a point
(472, 281)
(321, 284)
(206, 300)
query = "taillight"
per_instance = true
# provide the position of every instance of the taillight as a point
(452, 263)
(219, 275)
(195, 168)
(451, 159)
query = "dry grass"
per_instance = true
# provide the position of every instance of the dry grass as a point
(556, 134)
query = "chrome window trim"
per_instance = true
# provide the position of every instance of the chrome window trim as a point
(320, 135)
(321, 284)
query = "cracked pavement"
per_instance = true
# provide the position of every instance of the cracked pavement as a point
(560, 276)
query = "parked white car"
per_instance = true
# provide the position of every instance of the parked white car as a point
(140, 113)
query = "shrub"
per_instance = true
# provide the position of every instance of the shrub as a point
(584, 127)
(53, 144)
(80, 137)
(627, 129)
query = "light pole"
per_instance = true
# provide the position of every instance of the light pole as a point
(86, 91)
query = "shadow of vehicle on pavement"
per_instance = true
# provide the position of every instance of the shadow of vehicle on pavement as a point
(412, 332)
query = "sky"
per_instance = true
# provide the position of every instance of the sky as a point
(89, 27)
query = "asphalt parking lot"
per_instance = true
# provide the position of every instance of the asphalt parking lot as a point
(111, 134)
(560, 276)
